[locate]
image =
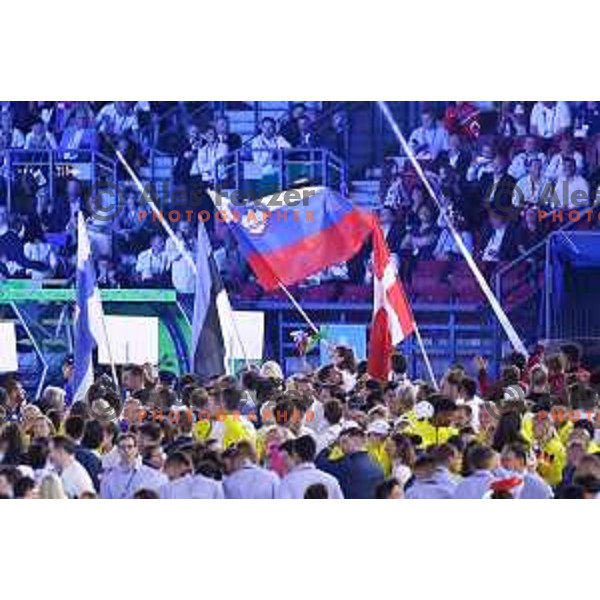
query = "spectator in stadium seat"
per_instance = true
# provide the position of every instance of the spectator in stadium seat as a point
(456, 156)
(37, 250)
(497, 187)
(518, 165)
(232, 140)
(512, 121)
(79, 134)
(117, 119)
(16, 137)
(290, 128)
(420, 241)
(306, 137)
(532, 190)
(555, 166)
(39, 138)
(152, 264)
(183, 276)
(587, 127)
(446, 248)
(207, 156)
(571, 191)
(267, 144)
(482, 162)
(428, 140)
(531, 230)
(549, 119)
(501, 241)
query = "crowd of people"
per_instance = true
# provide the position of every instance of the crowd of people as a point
(506, 174)
(330, 433)
(493, 167)
(38, 234)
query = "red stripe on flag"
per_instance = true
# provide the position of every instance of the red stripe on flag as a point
(328, 247)
(380, 347)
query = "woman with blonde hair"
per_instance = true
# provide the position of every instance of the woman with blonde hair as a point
(51, 488)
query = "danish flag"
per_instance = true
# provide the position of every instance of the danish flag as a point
(393, 320)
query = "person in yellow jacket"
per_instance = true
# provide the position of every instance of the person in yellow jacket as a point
(377, 433)
(434, 425)
(539, 430)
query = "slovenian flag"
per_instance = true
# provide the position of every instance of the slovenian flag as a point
(88, 314)
(288, 236)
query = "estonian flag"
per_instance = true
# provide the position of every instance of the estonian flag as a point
(212, 322)
(88, 314)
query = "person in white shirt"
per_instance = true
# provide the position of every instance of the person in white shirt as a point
(39, 138)
(207, 156)
(428, 140)
(549, 119)
(74, 477)
(152, 264)
(117, 118)
(183, 275)
(554, 168)
(518, 165)
(482, 163)
(245, 479)
(266, 145)
(571, 191)
(16, 139)
(299, 456)
(333, 412)
(532, 188)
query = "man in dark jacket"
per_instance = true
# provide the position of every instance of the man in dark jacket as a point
(357, 473)
(74, 427)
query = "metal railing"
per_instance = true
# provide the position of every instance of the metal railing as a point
(47, 166)
(255, 173)
(521, 286)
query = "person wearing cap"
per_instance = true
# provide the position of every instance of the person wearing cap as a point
(299, 455)
(129, 475)
(434, 423)
(377, 433)
(515, 460)
(506, 488)
(481, 462)
(434, 475)
(357, 473)
(245, 479)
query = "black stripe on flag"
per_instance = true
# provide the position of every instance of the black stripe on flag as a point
(208, 346)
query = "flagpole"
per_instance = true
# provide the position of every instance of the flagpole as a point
(297, 306)
(109, 351)
(425, 357)
(178, 243)
(485, 288)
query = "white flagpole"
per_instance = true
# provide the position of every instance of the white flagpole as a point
(496, 307)
(425, 357)
(178, 243)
